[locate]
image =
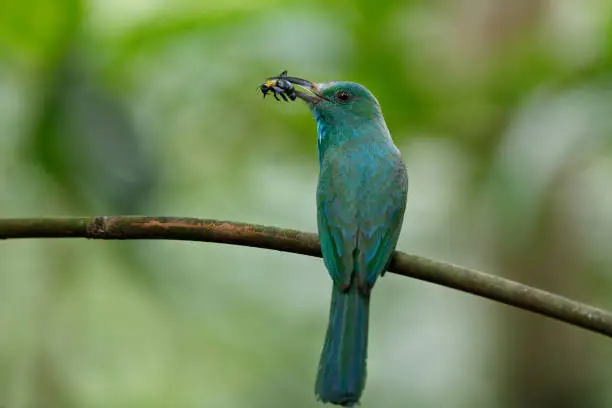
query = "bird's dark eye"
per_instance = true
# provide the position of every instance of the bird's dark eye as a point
(343, 96)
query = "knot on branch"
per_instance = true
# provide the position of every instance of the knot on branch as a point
(97, 228)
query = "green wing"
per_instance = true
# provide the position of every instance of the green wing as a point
(360, 213)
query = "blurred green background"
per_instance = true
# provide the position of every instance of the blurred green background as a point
(502, 110)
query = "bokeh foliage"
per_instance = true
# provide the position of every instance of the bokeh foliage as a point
(501, 110)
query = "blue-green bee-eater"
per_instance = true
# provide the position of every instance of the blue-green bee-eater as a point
(361, 198)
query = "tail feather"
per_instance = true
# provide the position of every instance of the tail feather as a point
(342, 368)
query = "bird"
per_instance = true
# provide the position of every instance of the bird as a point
(361, 199)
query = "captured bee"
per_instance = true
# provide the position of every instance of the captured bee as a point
(278, 86)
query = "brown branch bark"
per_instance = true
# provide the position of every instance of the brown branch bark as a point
(259, 236)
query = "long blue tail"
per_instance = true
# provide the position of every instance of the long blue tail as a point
(342, 368)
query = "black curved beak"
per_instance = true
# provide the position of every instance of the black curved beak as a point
(313, 95)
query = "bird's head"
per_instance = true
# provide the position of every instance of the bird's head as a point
(338, 102)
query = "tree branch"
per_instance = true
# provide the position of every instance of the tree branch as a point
(259, 236)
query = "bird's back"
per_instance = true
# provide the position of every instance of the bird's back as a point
(361, 199)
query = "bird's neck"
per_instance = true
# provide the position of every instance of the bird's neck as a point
(332, 134)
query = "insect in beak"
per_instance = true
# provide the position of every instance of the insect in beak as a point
(279, 86)
(283, 85)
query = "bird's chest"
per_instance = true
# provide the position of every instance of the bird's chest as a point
(354, 171)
